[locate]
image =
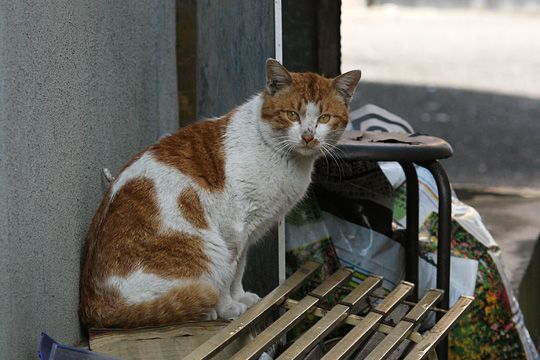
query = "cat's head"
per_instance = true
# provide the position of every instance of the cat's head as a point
(307, 112)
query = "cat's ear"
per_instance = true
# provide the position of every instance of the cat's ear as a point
(345, 84)
(277, 77)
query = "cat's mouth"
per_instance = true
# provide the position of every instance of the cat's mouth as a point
(311, 148)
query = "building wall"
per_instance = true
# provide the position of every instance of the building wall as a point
(83, 85)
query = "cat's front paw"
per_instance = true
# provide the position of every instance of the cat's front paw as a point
(249, 299)
(211, 315)
(231, 310)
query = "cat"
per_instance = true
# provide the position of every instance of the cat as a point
(169, 240)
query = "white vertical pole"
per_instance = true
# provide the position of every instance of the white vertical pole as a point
(278, 31)
(279, 57)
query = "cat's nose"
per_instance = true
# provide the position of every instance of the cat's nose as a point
(307, 137)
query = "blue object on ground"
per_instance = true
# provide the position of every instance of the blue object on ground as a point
(49, 349)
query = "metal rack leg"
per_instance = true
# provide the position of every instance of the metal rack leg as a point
(411, 248)
(444, 241)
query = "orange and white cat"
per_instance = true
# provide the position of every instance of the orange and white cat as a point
(168, 243)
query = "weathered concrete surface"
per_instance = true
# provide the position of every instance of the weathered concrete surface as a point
(234, 39)
(83, 85)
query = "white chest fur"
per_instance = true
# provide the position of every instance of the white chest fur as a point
(263, 182)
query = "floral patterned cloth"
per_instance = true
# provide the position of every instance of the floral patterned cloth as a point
(487, 330)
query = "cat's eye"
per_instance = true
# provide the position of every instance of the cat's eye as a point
(292, 115)
(323, 119)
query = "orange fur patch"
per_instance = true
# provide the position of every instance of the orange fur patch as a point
(191, 208)
(197, 151)
(124, 236)
(189, 303)
(305, 87)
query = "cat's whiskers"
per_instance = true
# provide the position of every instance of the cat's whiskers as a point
(281, 148)
(329, 150)
(339, 155)
(321, 149)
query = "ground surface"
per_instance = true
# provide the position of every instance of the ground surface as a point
(469, 76)
(488, 51)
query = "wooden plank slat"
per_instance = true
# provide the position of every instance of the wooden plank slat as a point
(405, 326)
(420, 310)
(330, 321)
(292, 317)
(350, 342)
(437, 333)
(316, 333)
(353, 320)
(329, 285)
(254, 314)
(391, 301)
(359, 293)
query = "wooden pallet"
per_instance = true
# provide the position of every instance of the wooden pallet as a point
(342, 313)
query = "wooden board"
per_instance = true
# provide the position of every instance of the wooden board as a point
(160, 343)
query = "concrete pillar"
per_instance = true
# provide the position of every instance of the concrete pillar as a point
(83, 85)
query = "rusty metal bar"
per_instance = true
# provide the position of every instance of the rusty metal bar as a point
(438, 332)
(350, 342)
(254, 314)
(331, 320)
(254, 349)
(405, 326)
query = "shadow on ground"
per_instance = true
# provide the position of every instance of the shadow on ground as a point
(496, 138)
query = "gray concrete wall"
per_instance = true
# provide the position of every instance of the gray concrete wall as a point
(234, 39)
(83, 85)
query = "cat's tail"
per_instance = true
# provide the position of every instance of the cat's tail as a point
(191, 302)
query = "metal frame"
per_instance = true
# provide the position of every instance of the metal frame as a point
(444, 240)
(444, 234)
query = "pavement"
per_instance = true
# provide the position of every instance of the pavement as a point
(469, 76)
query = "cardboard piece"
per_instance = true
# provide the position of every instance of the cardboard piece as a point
(160, 343)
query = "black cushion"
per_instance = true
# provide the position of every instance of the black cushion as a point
(379, 146)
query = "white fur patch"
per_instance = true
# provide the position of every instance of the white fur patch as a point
(141, 287)
(312, 112)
